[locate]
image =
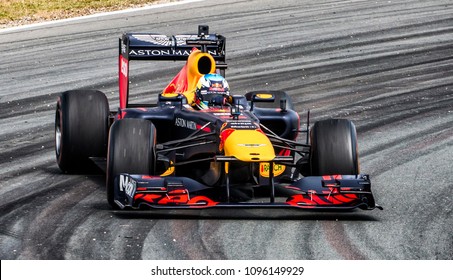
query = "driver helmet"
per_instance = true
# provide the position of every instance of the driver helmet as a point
(209, 87)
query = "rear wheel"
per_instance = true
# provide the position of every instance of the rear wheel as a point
(131, 150)
(81, 129)
(334, 148)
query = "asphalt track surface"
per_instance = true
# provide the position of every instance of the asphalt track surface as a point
(386, 65)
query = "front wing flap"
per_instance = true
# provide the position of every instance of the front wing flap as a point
(334, 191)
(315, 192)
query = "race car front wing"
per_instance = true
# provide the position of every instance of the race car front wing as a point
(315, 192)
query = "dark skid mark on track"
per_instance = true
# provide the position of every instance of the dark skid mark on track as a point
(340, 242)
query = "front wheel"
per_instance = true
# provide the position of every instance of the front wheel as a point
(334, 148)
(131, 150)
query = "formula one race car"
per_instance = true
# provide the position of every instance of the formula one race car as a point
(200, 147)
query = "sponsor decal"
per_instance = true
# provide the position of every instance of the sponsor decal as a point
(123, 47)
(252, 145)
(245, 124)
(185, 123)
(127, 185)
(124, 66)
(313, 199)
(178, 197)
(278, 169)
(165, 52)
(164, 40)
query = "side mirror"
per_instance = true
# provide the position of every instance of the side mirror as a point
(283, 105)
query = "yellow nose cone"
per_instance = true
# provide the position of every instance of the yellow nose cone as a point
(249, 146)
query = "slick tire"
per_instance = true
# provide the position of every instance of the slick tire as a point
(334, 148)
(278, 94)
(131, 150)
(81, 129)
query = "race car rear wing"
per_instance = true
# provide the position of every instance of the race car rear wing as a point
(149, 46)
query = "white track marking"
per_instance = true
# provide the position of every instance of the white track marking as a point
(131, 10)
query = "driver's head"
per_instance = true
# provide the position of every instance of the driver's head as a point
(209, 86)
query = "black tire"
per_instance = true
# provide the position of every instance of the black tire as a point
(334, 148)
(278, 94)
(81, 129)
(131, 150)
